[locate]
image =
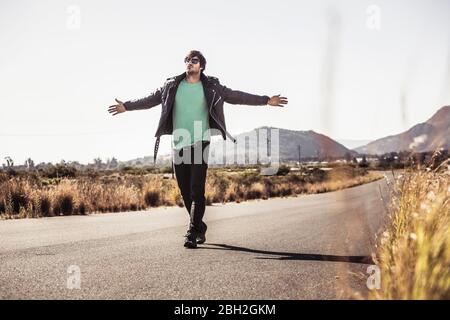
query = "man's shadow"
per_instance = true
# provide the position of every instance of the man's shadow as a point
(293, 256)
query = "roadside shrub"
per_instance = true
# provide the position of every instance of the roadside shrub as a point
(256, 191)
(59, 171)
(283, 170)
(152, 198)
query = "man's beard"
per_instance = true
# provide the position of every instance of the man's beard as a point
(192, 72)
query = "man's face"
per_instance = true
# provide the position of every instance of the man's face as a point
(192, 65)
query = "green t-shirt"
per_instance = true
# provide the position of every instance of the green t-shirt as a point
(190, 112)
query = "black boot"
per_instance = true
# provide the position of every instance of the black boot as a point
(201, 238)
(191, 241)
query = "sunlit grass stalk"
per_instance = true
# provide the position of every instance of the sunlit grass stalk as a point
(414, 250)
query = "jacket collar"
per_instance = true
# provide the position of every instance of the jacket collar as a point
(204, 79)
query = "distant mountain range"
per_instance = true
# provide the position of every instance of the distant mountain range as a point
(353, 143)
(427, 136)
(292, 145)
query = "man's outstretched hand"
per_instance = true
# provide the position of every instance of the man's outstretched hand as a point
(117, 108)
(277, 101)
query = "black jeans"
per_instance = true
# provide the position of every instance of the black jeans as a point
(190, 171)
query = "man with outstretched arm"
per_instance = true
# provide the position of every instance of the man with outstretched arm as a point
(193, 99)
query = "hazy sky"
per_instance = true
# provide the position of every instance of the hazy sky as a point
(351, 69)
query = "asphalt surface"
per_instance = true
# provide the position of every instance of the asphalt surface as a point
(305, 247)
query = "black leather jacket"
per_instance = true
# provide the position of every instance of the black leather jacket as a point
(215, 93)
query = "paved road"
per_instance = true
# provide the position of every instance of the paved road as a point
(306, 247)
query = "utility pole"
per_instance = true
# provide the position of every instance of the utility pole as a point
(257, 147)
(246, 151)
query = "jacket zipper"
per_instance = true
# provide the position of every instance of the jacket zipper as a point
(168, 95)
(210, 112)
(217, 100)
(155, 152)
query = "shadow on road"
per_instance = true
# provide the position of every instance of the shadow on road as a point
(293, 256)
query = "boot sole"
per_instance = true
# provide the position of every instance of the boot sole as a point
(190, 245)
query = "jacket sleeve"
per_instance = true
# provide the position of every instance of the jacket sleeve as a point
(148, 102)
(240, 97)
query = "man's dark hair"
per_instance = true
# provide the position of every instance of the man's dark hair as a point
(195, 53)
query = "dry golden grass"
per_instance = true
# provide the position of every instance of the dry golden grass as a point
(342, 183)
(414, 251)
(23, 197)
(33, 197)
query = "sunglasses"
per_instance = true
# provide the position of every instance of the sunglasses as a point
(193, 60)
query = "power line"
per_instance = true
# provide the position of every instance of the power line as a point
(118, 132)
